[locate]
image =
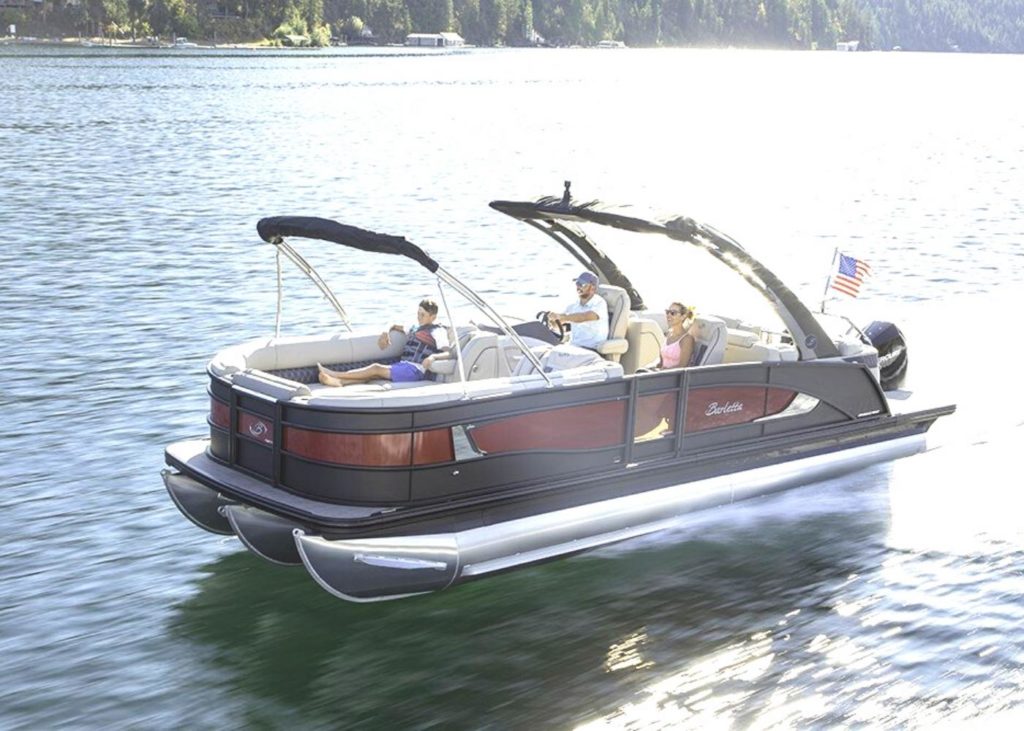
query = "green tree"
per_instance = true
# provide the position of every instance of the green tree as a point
(137, 11)
(519, 31)
(430, 16)
(389, 20)
(468, 21)
(115, 16)
(173, 17)
(493, 21)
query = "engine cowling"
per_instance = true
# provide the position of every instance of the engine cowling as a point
(892, 353)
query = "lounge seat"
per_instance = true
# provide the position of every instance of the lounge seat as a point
(278, 354)
(618, 322)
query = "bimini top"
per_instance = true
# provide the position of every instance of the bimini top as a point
(556, 216)
(274, 229)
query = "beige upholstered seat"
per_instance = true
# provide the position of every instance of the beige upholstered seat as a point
(482, 358)
(618, 322)
(711, 336)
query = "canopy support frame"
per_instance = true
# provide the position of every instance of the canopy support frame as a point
(459, 363)
(498, 320)
(306, 268)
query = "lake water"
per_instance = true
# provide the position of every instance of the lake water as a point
(131, 185)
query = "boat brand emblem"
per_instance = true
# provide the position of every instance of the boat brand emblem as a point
(729, 407)
(258, 429)
(884, 361)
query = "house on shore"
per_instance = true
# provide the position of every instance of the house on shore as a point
(435, 40)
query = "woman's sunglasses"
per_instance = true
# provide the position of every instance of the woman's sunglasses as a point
(673, 312)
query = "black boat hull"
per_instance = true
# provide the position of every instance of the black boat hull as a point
(369, 554)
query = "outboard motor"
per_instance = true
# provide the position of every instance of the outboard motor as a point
(892, 353)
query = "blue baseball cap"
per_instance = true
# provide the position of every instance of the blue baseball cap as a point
(587, 278)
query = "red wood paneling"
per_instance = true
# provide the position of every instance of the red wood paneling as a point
(712, 407)
(433, 446)
(655, 416)
(255, 427)
(220, 414)
(778, 399)
(592, 426)
(371, 450)
(709, 408)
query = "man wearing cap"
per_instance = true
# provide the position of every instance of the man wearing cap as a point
(589, 316)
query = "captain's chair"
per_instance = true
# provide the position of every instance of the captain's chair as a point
(618, 322)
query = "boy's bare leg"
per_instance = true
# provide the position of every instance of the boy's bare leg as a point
(359, 375)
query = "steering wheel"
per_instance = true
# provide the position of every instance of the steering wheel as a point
(556, 327)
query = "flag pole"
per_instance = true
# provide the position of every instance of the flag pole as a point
(831, 271)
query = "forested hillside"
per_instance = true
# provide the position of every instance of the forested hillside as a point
(933, 25)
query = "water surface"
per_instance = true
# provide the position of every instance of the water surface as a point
(131, 186)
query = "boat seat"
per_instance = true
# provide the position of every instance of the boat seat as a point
(558, 358)
(747, 347)
(645, 337)
(274, 385)
(710, 339)
(482, 355)
(311, 374)
(276, 355)
(618, 322)
(490, 355)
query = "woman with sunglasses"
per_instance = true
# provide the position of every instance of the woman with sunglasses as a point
(679, 341)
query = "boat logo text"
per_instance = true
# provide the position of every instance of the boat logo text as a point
(884, 361)
(729, 407)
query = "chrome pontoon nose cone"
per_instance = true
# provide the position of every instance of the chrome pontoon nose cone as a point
(266, 535)
(197, 502)
(374, 569)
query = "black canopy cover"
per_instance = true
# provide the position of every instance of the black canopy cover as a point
(273, 229)
(811, 338)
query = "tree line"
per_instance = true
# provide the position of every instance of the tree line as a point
(927, 25)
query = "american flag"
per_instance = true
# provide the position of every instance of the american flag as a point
(850, 275)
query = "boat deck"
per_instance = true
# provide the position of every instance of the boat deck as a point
(903, 401)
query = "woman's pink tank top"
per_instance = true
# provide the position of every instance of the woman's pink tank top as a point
(670, 354)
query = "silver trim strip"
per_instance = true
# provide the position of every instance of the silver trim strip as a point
(406, 564)
(541, 537)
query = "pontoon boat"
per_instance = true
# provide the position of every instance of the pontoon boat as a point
(519, 450)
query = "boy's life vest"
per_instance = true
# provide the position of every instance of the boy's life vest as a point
(421, 343)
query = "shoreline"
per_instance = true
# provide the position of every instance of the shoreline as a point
(99, 42)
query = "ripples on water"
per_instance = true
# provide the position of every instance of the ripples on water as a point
(132, 183)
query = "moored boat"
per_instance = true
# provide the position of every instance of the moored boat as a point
(521, 450)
